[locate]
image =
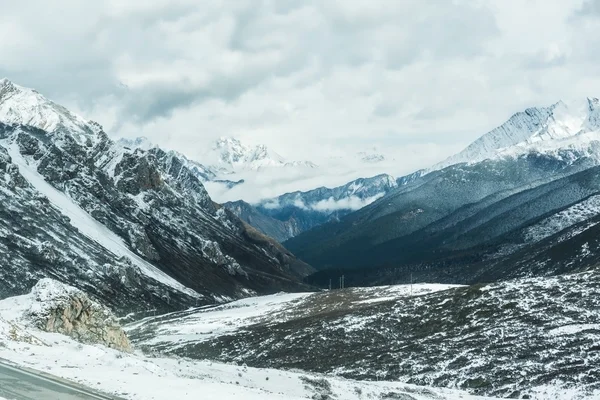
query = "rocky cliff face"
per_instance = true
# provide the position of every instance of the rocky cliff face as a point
(133, 227)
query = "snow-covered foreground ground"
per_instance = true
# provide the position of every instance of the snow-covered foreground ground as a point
(139, 376)
(201, 324)
(135, 376)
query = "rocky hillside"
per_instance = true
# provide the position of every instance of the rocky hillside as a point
(135, 228)
(512, 339)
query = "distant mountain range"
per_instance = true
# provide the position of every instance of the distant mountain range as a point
(228, 156)
(519, 201)
(501, 208)
(287, 215)
(290, 214)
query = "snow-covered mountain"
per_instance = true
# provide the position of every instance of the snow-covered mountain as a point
(290, 214)
(141, 142)
(457, 212)
(546, 130)
(134, 228)
(23, 106)
(202, 172)
(229, 155)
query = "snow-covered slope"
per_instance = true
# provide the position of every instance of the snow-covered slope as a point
(151, 377)
(19, 105)
(84, 223)
(528, 338)
(181, 329)
(202, 172)
(136, 228)
(542, 130)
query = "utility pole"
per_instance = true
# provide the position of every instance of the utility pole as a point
(343, 283)
(329, 283)
(411, 283)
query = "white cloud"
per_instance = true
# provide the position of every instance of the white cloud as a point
(348, 203)
(310, 79)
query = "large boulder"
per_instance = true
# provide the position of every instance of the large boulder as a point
(55, 307)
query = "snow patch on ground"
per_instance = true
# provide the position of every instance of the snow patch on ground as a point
(137, 377)
(387, 293)
(205, 323)
(573, 329)
(197, 325)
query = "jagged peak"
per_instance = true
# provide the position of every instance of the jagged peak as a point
(25, 106)
(140, 142)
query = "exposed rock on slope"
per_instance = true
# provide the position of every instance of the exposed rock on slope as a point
(54, 307)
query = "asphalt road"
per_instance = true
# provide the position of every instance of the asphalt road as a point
(26, 384)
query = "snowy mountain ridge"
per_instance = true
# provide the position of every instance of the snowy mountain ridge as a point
(203, 173)
(292, 213)
(24, 106)
(546, 130)
(229, 155)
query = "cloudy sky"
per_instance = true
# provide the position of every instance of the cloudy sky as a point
(311, 79)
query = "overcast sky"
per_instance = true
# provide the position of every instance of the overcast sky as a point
(420, 79)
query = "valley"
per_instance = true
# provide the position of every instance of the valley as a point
(476, 278)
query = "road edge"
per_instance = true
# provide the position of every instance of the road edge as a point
(58, 380)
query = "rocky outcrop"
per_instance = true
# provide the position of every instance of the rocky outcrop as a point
(63, 309)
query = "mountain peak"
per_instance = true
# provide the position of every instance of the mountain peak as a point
(232, 155)
(23, 106)
(549, 127)
(227, 141)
